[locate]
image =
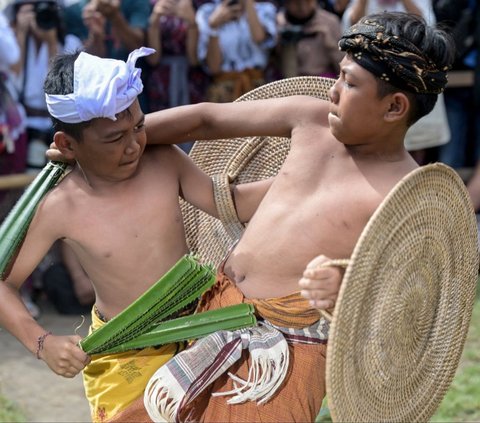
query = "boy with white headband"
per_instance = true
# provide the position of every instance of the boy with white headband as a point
(118, 210)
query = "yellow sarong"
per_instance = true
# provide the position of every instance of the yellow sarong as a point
(114, 381)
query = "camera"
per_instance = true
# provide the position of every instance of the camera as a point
(292, 33)
(46, 15)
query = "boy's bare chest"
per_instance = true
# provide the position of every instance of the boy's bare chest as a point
(126, 222)
(315, 212)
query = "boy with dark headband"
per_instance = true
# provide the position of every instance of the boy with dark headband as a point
(393, 59)
(345, 157)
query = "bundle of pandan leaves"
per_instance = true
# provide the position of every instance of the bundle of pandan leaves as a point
(146, 321)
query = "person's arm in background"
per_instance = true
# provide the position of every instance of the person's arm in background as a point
(95, 22)
(256, 28)
(22, 24)
(124, 27)
(50, 37)
(186, 11)
(412, 7)
(340, 5)
(356, 10)
(214, 55)
(154, 34)
(9, 49)
(210, 23)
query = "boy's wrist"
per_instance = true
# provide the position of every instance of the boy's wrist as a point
(212, 32)
(40, 344)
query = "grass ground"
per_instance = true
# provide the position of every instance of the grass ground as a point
(9, 412)
(462, 402)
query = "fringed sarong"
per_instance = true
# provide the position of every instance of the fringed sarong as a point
(113, 382)
(273, 372)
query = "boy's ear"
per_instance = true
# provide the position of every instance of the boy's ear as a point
(66, 144)
(399, 107)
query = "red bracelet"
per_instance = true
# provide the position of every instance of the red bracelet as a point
(40, 342)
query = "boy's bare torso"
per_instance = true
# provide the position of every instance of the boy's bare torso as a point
(128, 236)
(319, 203)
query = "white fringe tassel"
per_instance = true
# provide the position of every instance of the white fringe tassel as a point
(161, 399)
(267, 372)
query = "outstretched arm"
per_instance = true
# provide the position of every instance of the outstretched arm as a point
(204, 121)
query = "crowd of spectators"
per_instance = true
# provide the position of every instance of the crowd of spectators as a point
(206, 50)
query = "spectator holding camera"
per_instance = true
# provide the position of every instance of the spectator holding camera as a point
(235, 40)
(40, 35)
(174, 77)
(12, 116)
(109, 28)
(12, 135)
(308, 40)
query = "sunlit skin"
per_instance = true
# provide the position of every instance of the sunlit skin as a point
(357, 115)
(345, 156)
(118, 210)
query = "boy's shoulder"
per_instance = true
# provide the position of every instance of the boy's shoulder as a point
(161, 154)
(64, 191)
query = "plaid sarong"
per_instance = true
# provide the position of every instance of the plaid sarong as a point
(189, 373)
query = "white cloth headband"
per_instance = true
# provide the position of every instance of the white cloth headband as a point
(102, 88)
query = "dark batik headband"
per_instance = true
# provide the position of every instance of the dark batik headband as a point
(392, 59)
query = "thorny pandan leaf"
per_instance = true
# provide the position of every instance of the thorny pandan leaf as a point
(15, 225)
(181, 285)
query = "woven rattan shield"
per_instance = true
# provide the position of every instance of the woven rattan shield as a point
(403, 311)
(405, 304)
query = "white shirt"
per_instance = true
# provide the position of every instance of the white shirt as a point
(239, 51)
(378, 6)
(9, 50)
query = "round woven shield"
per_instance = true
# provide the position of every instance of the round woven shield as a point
(405, 303)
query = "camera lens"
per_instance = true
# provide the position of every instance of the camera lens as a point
(46, 15)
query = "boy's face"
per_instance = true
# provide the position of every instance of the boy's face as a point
(356, 111)
(110, 149)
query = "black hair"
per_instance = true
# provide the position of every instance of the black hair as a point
(59, 81)
(436, 45)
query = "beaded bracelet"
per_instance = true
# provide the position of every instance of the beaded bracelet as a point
(40, 342)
